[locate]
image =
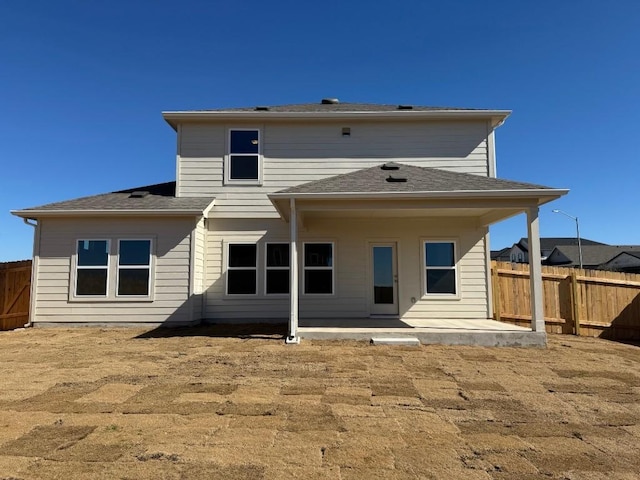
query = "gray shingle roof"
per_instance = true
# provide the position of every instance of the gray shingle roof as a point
(160, 198)
(549, 243)
(594, 255)
(418, 179)
(335, 107)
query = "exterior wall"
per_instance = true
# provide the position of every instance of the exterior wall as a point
(171, 273)
(517, 255)
(199, 253)
(351, 259)
(295, 153)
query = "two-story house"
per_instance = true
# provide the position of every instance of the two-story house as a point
(339, 219)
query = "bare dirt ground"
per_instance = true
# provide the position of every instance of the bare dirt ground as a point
(182, 404)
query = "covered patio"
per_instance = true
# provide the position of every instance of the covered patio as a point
(485, 333)
(391, 192)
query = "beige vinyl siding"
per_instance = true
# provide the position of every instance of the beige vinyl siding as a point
(296, 153)
(199, 253)
(171, 272)
(351, 270)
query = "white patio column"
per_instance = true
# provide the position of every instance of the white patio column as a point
(535, 271)
(293, 274)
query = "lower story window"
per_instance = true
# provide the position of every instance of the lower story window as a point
(242, 269)
(440, 268)
(113, 268)
(318, 268)
(92, 268)
(277, 268)
(134, 267)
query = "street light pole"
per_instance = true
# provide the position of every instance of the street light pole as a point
(577, 231)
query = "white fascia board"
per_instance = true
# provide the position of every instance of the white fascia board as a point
(497, 116)
(34, 214)
(553, 193)
(206, 211)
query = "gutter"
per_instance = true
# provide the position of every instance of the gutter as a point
(33, 214)
(497, 117)
(523, 193)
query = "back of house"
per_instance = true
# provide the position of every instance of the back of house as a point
(369, 211)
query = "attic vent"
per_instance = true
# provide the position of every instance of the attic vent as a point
(329, 101)
(392, 179)
(405, 107)
(390, 166)
(262, 109)
(139, 194)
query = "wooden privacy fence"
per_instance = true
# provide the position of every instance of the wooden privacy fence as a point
(592, 303)
(15, 289)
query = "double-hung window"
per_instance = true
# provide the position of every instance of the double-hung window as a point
(318, 268)
(134, 267)
(242, 269)
(92, 268)
(113, 269)
(277, 268)
(243, 161)
(441, 271)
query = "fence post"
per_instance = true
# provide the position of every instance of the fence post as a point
(575, 306)
(495, 284)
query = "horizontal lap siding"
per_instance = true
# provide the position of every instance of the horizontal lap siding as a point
(198, 268)
(172, 250)
(351, 238)
(300, 153)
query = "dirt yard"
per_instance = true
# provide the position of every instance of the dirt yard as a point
(195, 404)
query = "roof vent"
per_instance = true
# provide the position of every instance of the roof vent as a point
(392, 179)
(405, 107)
(262, 109)
(329, 101)
(390, 166)
(139, 194)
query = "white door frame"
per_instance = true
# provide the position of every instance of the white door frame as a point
(383, 308)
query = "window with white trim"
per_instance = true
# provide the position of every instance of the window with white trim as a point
(111, 269)
(243, 163)
(242, 269)
(441, 271)
(277, 274)
(318, 268)
(134, 267)
(92, 268)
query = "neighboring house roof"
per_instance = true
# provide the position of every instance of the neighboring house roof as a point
(156, 199)
(399, 178)
(501, 255)
(592, 255)
(332, 108)
(549, 243)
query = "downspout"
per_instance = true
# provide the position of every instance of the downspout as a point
(34, 267)
(293, 337)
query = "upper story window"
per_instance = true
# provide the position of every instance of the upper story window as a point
(243, 163)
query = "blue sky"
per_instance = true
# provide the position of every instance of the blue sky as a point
(82, 85)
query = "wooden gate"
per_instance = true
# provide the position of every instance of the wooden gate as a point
(15, 289)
